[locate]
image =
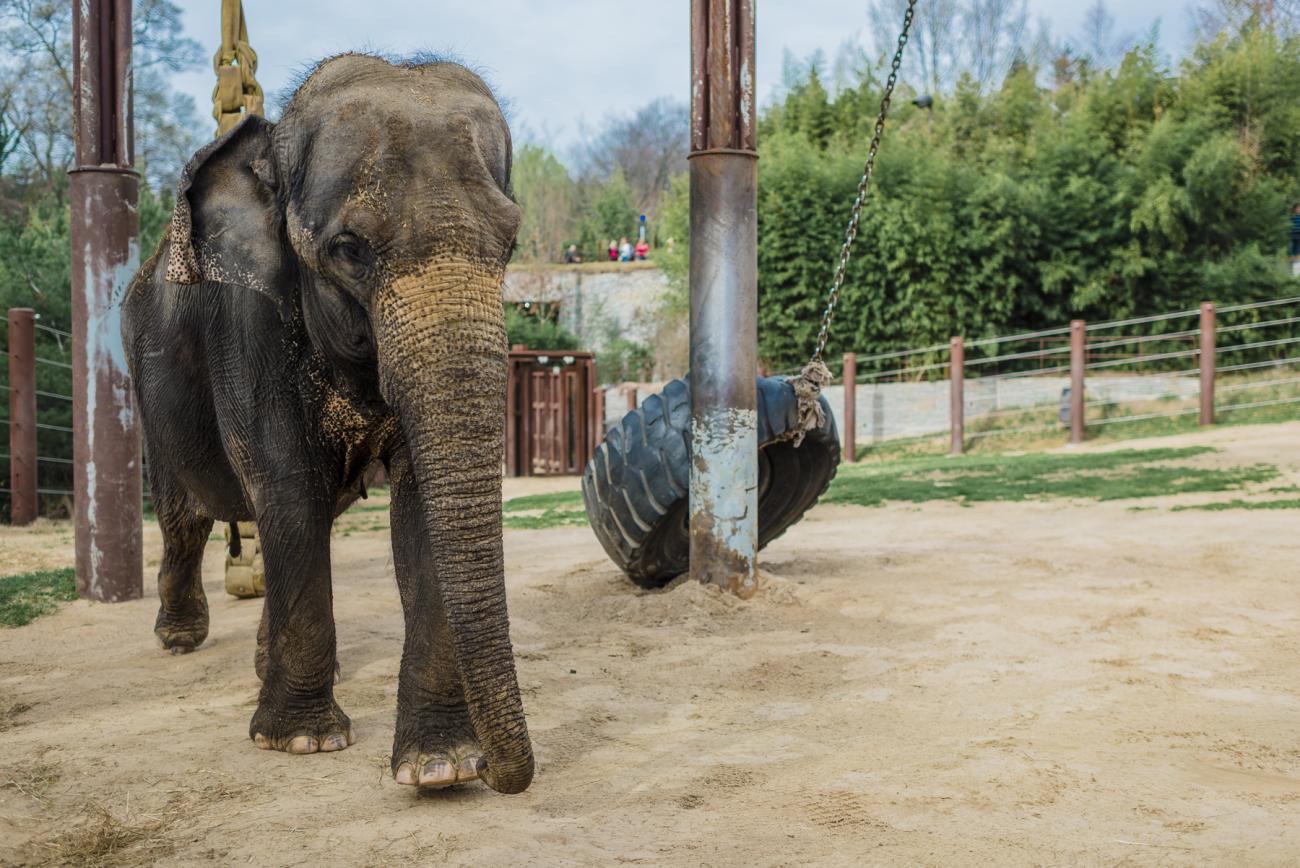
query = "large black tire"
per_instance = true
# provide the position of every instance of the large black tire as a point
(635, 487)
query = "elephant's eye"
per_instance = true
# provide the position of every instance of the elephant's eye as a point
(351, 253)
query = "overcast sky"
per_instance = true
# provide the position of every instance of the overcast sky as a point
(563, 63)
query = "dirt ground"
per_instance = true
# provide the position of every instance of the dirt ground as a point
(1037, 684)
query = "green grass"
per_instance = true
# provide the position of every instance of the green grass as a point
(27, 596)
(557, 509)
(970, 479)
(1292, 503)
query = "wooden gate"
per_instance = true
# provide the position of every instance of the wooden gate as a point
(550, 412)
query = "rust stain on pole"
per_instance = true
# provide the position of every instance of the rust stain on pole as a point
(724, 293)
(22, 415)
(957, 394)
(1207, 363)
(1078, 362)
(850, 407)
(105, 254)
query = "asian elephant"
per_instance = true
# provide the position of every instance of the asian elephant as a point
(328, 294)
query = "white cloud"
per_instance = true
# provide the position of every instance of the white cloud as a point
(563, 62)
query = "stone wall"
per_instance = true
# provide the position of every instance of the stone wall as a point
(596, 302)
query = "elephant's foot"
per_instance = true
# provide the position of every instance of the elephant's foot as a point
(328, 729)
(435, 749)
(182, 630)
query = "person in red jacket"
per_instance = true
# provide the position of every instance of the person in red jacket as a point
(642, 249)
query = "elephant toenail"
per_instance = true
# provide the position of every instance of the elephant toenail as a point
(468, 769)
(438, 774)
(405, 774)
(302, 744)
(333, 742)
(262, 741)
(352, 735)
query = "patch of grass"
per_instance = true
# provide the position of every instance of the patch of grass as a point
(112, 838)
(542, 511)
(27, 596)
(1118, 475)
(1238, 503)
(554, 500)
(31, 779)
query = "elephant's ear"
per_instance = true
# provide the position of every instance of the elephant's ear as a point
(227, 223)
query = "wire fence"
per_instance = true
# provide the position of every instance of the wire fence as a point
(1031, 384)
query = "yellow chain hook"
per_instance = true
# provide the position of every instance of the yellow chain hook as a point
(237, 93)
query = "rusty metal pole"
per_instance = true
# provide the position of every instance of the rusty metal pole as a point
(629, 393)
(724, 296)
(1078, 363)
(22, 415)
(850, 407)
(957, 394)
(598, 417)
(1207, 363)
(105, 254)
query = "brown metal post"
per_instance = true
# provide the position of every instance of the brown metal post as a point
(630, 393)
(598, 418)
(105, 254)
(957, 394)
(850, 407)
(724, 296)
(22, 415)
(1207, 363)
(1078, 363)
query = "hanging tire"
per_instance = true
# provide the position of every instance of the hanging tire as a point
(635, 487)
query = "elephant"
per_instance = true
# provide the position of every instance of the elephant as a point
(329, 293)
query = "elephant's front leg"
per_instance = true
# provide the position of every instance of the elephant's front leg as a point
(434, 744)
(296, 711)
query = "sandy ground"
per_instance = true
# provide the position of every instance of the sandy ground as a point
(1036, 684)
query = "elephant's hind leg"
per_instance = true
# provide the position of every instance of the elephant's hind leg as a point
(434, 744)
(182, 622)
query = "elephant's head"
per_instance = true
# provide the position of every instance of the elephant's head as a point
(382, 199)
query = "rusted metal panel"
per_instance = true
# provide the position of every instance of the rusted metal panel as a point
(1078, 365)
(1207, 362)
(724, 292)
(105, 254)
(24, 505)
(957, 394)
(598, 420)
(850, 379)
(548, 414)
(629, 394)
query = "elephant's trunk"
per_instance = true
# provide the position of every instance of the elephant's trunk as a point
(441, 337)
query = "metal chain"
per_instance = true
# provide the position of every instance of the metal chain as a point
(864, 186)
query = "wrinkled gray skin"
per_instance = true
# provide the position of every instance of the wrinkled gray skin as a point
(330, 294)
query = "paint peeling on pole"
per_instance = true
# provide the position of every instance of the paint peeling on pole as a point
(724, 292)
(105, 254)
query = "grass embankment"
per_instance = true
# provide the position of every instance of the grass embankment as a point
(27, 596)
(1123, 475)
(1004, 433)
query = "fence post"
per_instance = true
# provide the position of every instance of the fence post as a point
(630, 392)
(1207, 363)
(850, 407)
(22, 415)
(598, 418)
(957, 394)
(1078, 362)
